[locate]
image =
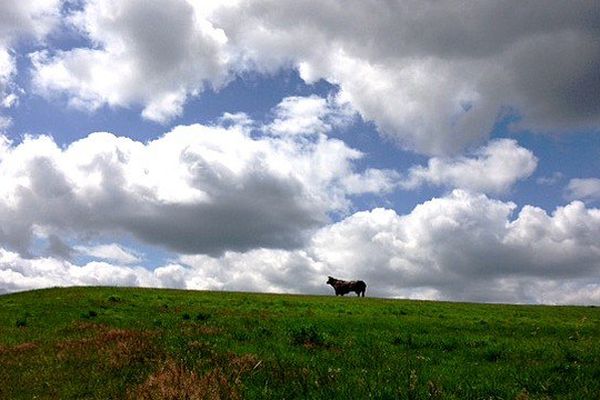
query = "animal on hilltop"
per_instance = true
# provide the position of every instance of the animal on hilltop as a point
(342, 287)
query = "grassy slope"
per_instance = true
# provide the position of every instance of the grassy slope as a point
(147, 343)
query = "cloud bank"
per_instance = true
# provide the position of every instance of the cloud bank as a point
(433, 76)
(463, 246)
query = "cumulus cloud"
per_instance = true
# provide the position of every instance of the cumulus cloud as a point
(587, 189)
(466, 246)
(434, 76)
(143, 53)
(197, 189)
(463, 246)
(493, 168)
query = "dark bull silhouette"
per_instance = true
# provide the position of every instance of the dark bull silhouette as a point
(343, 287)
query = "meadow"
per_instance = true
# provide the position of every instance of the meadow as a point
(125, 343)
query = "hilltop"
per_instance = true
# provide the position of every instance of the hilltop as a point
(99, 343)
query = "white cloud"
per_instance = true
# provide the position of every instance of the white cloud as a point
(583, 189)
(423, 105)
(459, 247)
(197, 189)
(309, 115)
(493, 168)
(144, 53)
(111, 253)
(467, 246)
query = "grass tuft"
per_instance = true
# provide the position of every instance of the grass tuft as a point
(202, 317)
(113, 298)
(308, 336)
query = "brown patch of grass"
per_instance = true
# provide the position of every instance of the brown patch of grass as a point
(240, 365)
(18, 349)
(117, 347)
(174, 381)
(130, 347)
(25, 347)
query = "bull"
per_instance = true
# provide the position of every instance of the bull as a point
(342, 287)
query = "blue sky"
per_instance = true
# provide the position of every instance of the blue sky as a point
(248, 146)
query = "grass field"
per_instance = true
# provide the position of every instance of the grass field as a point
(115, 343)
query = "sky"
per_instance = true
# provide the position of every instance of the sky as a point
(438, 150)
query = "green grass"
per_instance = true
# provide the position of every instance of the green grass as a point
(112, 343)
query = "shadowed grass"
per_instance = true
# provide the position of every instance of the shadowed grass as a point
(100, 343)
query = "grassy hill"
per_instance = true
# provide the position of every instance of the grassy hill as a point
(113, 343)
